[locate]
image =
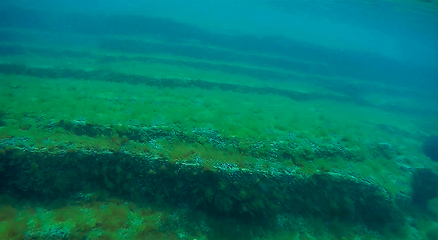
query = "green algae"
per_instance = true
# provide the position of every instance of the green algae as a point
(175, 111)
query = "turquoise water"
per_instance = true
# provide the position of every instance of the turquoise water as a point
(218, 119)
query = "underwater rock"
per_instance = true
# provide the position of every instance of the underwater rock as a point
(424, 186)
(223, 191)
(430, 147)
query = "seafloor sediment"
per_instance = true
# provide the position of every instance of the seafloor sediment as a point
(142, 138)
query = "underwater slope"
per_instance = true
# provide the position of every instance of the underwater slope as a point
(247, 135)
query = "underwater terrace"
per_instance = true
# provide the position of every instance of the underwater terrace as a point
(144, 135)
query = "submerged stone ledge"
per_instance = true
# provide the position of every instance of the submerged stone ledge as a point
(333, 83)
(224, 189)
(289, 152)
(111, 76)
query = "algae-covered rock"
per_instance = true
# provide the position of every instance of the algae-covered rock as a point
(223, 190)
(424, 186)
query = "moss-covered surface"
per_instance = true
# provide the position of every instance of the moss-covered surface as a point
(170, 146)
(251, 130)
(93, 216)
(140, 138)
(223, 188)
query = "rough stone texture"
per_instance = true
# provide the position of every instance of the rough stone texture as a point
(223, 190)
